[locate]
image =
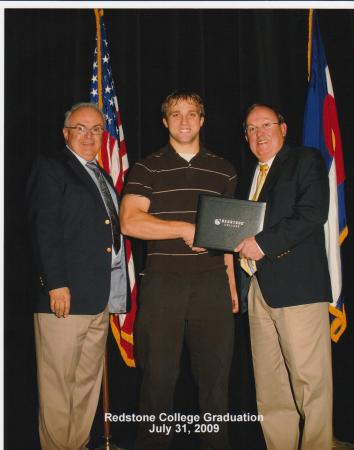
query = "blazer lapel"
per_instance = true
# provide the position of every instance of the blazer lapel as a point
(274, 173)
(81, 172)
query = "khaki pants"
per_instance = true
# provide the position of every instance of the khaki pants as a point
(70, 355)
(291, 353)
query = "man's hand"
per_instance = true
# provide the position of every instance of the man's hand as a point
(249, 249)
(229, 262)
(234, 298)
(187, 233)
(60, 301)
(188, 236)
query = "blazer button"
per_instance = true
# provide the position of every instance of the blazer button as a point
(107, 221)
(108, 250)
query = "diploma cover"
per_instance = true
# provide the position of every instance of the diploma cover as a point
(222, 223)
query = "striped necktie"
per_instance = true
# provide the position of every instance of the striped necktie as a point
(249, 265)
(112, 212)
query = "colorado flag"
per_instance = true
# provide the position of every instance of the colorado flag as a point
(321, 130)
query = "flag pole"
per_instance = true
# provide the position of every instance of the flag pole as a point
(107, 445)
(113, 158)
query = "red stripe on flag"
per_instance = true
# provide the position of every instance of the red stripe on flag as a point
(103, 154)
(332, 135)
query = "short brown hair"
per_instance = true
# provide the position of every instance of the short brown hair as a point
(183, 95)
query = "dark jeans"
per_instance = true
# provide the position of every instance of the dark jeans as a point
(173, 308)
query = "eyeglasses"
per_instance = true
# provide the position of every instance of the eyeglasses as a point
(251, 129)
(81, 129)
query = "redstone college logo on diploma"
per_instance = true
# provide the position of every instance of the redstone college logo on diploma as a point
(222, 222)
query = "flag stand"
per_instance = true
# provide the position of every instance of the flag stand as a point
(107, 445)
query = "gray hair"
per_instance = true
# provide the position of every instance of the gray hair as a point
(79, 106)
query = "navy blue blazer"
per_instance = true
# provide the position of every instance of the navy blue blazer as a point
(294, 270)
(71, 233)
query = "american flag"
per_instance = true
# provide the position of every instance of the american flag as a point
(113, 158)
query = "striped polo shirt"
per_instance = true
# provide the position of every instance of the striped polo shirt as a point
(173, 186)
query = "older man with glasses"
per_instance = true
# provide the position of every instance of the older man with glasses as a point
(289, 287)
(82, 277)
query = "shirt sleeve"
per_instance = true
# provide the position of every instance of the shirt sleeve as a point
(45, 198)
(140, 180)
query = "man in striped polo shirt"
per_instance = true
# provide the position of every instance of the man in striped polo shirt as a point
(187, 293)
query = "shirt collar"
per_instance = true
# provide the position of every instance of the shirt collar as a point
(269, 162)
(80, 158)
(169, 150)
